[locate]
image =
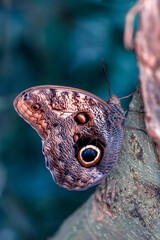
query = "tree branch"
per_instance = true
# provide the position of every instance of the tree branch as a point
(147, 48)
(127, 204)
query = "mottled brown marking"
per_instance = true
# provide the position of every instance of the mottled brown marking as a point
(76, 137)
(70, 120)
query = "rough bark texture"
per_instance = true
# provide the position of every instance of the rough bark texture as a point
(127, 204)
(147, 48)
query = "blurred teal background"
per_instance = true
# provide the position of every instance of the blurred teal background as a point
(51, 42)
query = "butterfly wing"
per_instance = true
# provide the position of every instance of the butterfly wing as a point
(82, 134)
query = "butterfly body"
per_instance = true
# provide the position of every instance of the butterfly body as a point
(81, 133)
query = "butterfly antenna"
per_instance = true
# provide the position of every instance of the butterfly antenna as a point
(106, 78)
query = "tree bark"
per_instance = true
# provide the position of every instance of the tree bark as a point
(127, 204)
(147, 48)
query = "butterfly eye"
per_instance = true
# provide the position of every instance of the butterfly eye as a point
(35, 107)
(89, 155)
(82, 118)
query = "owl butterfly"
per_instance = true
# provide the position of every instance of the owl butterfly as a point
(81, 133)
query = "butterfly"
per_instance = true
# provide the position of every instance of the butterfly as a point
(81, 133)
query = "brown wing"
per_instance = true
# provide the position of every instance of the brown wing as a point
(82, 134)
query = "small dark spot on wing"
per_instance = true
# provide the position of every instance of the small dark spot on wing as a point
(60, 149)
(25, 97)
(63, 135)
(92, 102)
(54, 92)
